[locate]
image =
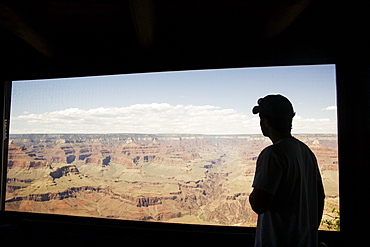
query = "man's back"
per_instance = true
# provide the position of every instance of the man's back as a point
(288, 170)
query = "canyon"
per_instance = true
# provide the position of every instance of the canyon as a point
(179, 178)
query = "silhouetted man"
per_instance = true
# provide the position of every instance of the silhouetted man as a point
(288, 194)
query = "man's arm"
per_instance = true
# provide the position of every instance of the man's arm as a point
(260, 200)
(320, 201)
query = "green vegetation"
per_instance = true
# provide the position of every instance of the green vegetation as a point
(334, 222)
(201, 216)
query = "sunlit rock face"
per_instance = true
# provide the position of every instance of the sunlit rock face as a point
(196, 179)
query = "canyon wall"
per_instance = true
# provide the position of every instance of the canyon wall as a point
(195, 179)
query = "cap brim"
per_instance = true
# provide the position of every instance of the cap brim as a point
(256, 109)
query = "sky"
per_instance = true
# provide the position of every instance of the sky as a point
(192, 102)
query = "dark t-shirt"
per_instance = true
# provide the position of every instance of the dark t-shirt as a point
(289, 171)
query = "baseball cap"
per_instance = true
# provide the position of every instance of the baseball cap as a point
(274, 106)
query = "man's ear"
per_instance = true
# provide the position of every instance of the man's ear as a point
(265, 122)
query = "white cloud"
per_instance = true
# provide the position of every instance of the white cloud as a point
(155, 118)
(139, 118)
(330, 108)
(314, 125)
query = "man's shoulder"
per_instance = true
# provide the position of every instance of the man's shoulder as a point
(290, 142)
(292, 147)
(267, 150)
(289, 146)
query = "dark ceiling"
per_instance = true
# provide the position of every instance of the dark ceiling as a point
(59, 38)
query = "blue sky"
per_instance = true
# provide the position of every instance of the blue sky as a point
(202, 101)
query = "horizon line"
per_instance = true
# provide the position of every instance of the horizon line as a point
(126, 133)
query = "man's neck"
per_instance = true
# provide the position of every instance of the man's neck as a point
(276, 136)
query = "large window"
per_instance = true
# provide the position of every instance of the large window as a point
(168, 146)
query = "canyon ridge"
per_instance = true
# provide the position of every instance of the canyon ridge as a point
(179, 178)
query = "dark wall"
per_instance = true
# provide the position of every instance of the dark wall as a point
(354, 156)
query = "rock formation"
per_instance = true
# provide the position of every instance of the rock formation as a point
(182, 178)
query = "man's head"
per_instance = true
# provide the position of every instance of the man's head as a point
(277, 111)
